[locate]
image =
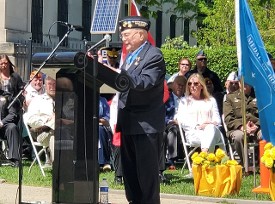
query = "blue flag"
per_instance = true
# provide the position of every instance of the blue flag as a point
(255, 66)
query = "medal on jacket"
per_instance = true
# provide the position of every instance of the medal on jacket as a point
(137, 61)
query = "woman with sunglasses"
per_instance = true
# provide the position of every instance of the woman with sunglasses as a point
(184, 66)
(199, 116)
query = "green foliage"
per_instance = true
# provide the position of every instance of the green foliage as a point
(218, 24)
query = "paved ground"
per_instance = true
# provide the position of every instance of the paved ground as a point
(39, 195)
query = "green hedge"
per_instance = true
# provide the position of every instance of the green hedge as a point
(221, 60)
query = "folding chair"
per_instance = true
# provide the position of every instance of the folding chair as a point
(195, 147)
(36, 145)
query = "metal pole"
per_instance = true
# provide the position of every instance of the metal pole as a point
(245, 153)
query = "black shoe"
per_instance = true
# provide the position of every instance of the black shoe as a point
(14, 163)
(118, 180)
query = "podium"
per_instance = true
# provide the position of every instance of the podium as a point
(75, 167)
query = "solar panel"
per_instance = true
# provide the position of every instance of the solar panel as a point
(105, 16)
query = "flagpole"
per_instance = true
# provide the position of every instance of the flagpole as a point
(129, 7)
(245, 153)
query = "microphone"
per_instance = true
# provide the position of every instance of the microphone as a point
(107, 37)
(76, 27)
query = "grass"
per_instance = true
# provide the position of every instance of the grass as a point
(177, 185)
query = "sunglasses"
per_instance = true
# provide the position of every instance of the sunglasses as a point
(202, 59)
(194, 83)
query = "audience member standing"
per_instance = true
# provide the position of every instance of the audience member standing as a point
(201, 68)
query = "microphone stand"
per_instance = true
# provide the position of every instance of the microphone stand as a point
(15, 99)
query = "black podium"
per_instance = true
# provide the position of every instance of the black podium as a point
(75, 167)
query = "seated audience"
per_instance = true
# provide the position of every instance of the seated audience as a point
(217, 95)
(105, 135)
(232, 83)
(199, 116)
(8, 126)
(10, 80)
(233, 119)
(41, 116)
(184, 65)
(171, 134)
(35, 88)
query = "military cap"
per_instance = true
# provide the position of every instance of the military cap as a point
(233, 76)
(111, 51)
(134, 22)
(201, 55)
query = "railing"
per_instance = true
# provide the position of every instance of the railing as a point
(24, 51)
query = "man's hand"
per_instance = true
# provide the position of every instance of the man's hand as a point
(103, 122)
(99, 56)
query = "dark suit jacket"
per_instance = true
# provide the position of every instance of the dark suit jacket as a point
(141, 109)
(8, 115)
(170, 107)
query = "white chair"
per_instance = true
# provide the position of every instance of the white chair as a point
(187, 145)
(36, 145)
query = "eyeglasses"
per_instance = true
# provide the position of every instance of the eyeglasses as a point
(127, 35)
(193, 83)
(202, 59)
(184, 64)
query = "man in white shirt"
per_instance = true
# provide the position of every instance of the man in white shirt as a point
(41, 115)
(35, 88)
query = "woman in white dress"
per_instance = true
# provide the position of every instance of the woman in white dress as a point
(199, 116)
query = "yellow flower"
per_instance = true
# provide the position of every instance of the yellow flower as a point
(194, 155)
(220, 153)
(267, 153)
(211, 157)
(198, 160)
(263, 159)
(272, 153)
(231, 162)
(203, 154)
(268, 146)
(206, 163)
(269, 162)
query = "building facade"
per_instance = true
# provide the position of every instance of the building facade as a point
(37, 20)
